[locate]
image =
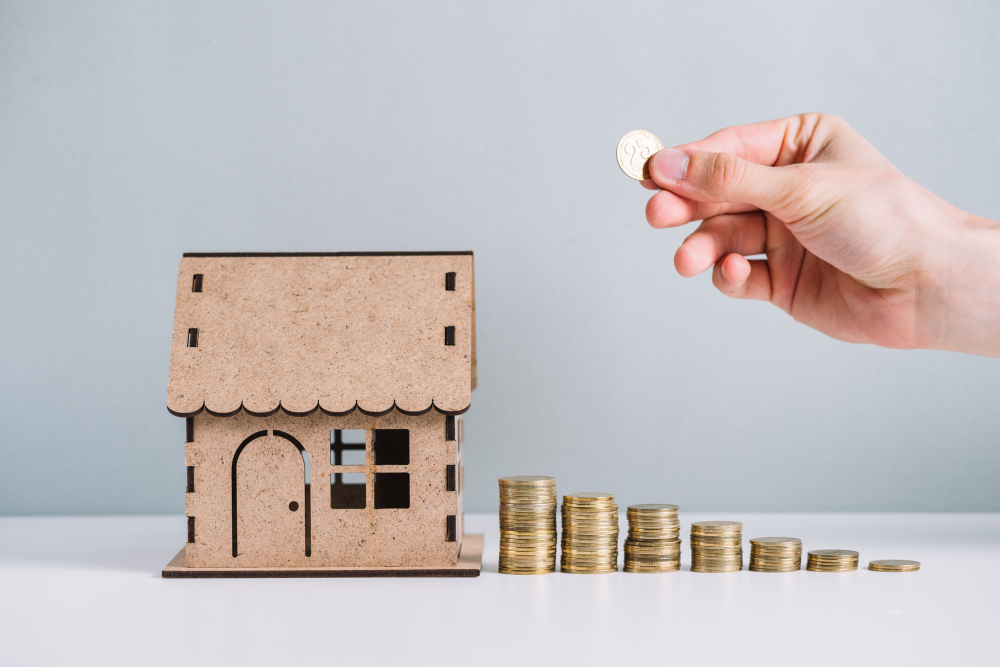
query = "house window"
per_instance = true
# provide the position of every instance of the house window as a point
(347, 447)
(392, 447)
(196, 283)
(347, 490)
(392, 490)
(392, 487)
(347, 484)
(192, 337)
(449, 281)
(449, 335)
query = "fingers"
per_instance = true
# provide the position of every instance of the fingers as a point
(725, 178)
(772, 143)
(743, 234)
(740, 278)
(665, 209)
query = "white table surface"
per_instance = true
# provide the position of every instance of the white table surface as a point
(87, 590)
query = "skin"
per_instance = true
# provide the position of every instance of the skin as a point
(854, 248)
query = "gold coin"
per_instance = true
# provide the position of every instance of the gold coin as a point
(589, 496)
(894, 565)
(528, 479)
(634, 151)
(776, 541)
(833, 553)
(716, 526)
(653, 508)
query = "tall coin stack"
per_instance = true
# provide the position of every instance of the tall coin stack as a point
(832, 560)
(653, 543)
(716, 546)
(589, 533)
(775, 554)
(527, 525)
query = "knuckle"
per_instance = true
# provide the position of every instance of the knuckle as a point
(726, 172)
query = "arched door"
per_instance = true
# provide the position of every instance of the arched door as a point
(271, 513)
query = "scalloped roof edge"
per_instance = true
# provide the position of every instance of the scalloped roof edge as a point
(370, 413)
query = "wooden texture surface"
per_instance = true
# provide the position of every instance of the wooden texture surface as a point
(269, 474)
(469, 564)
(327, 332)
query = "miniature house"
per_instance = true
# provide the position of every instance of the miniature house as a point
(322, 394)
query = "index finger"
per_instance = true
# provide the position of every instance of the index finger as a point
(771, 143)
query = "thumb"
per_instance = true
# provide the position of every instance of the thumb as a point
(723, 177)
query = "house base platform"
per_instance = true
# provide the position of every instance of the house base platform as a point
(470, 563)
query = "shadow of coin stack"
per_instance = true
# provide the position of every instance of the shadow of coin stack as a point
(527, 525)
(716, 546)
(589, 533)
(832, 560)
(653, 543)
(775, 554)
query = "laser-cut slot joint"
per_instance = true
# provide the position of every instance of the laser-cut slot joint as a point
(449, 428)
(451, 528)
(196, 283)
(449, 281)
(190, 530)
(449, 335)
(193, 337)
(190, 479)
(450, 478)
(189, 427)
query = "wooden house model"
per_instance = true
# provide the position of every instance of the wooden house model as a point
(322, 394)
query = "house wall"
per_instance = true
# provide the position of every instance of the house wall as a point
(271, 472)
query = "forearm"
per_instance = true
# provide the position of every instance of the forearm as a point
(958, 305)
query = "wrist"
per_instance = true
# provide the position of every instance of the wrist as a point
(958, 295)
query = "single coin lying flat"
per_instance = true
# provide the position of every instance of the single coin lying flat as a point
(634, 151)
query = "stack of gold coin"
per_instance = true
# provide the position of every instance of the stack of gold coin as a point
(589, 533)
(775, 554)
(832, 560)
(716, 546)
(894, 566)
(527, 525)
(653, 543)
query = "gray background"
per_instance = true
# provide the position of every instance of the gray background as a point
(131, 132)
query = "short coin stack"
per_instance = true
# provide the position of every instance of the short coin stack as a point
(527, 525)
(716, 546)
(832, 560)
(653, 543)
(894, 566)
(589, 533)
(775, 554)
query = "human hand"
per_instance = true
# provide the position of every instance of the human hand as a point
(854, 248)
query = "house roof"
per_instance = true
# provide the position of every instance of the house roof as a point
(328, 331)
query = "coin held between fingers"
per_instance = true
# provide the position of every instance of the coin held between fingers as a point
(634, 151)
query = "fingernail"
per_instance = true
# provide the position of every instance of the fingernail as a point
(671, 164)
(722, 270)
